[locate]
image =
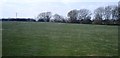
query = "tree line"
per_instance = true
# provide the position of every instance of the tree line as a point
(18, 19)
(108, 15)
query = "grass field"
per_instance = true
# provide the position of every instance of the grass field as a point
(57, 39)
(0, 39)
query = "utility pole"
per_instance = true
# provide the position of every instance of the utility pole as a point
(16, 14)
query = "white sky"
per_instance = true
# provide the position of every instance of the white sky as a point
(31, 8)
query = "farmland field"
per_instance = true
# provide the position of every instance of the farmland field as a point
(58, 39)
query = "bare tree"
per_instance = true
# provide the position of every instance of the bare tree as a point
(108, 12)
(45, 16)
(114, 12)
(118, 21)
(98, 15)
(84, 15)
(58, 18)
(99, 11)
(73, 15)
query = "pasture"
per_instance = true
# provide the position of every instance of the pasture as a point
(58, 39)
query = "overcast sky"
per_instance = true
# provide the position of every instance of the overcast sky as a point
(31, 8)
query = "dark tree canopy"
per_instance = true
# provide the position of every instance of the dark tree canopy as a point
(45, 16)
(98, 15)
(73, 15)
(58, 18)
(84, 16)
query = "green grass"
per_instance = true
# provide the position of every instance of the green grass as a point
(0, 39)
(53, 39)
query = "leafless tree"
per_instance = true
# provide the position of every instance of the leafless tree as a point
(84, 16)
(73, 15)
(98, 15)
(108, 12)
(84, 13)
(45, 16)
(58, 18)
